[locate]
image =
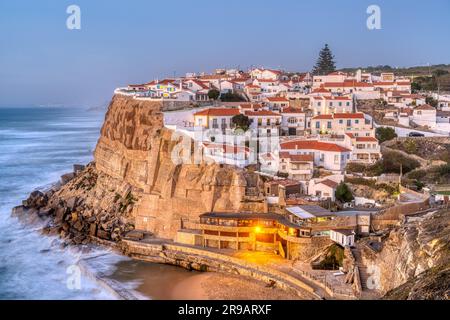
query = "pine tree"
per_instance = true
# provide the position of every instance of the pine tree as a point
(325, 63)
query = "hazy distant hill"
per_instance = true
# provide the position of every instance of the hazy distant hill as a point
(428, 78)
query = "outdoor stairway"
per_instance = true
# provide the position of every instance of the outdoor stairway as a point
(363, 274)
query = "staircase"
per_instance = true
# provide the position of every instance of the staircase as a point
(362, 268)
(364, 276)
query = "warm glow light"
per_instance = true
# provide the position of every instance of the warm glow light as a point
(258, 229)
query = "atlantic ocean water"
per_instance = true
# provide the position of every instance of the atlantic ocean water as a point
(37, 145)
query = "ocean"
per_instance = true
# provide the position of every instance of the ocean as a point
(37, 146)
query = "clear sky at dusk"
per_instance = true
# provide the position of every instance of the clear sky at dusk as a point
(121, 42)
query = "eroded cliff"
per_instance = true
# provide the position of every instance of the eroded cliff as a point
(134, 182)
(415, 258)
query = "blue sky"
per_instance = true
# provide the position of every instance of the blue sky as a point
(121, 42)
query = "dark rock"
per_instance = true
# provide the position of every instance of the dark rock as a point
(79, 239)
(93, 229)
(66, 226)
(66, 178)
(71, 203)
(59, 214)
(19, 211)
(37, 199)
(78, 167)
(45, 212)
(78, 225)
(103, 234)
(135, 235)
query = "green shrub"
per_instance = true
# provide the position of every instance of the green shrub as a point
(343, 193)
(385, 134)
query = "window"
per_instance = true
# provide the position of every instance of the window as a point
(341, 121)
(331, 104)
(348, 104)
(336, 159)
(200, 121)
(224, 122)
(356, 121)
(292, 120)
(329, 125)
(317, 125)
(215, 125)
(319, 103)
(340, 104)
(349, 123)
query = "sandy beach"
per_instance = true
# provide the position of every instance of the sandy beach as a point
(219, 286)
(164, 282)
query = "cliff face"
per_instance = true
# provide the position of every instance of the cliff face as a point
(136, 179)
(415, 256)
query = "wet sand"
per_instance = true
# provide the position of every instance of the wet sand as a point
(164, 282)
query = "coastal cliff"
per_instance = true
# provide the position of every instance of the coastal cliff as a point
(414, 261)
(134, 184)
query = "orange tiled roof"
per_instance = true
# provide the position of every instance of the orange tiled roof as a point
(313, 145)
(218, 112)
(262, 113)
(366, 139)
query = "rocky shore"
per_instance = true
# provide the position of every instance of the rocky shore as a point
(73, 217)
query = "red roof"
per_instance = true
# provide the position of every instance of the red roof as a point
(329, 183)
(323, 117)
(347, 84)
(277, 99)
(321, 90)
(424, 107)
(292, 110)
(349, 115)
(297, 157)
(199, 83)
(218, 112)
(313, 145)
(366, 139)
(266, 80)
(262, 113)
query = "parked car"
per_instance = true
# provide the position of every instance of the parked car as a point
(416, 134)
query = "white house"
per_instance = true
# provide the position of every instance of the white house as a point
(195, 85)
(344, 237)
(265, 74)
(424, 115)
(330, 156)
(269, 87)
(341, 123)
(293, 121)
(215, 118)
(325, 188)
(332, 77)
(276, 103)
(330, 104)
(297, 166)
(364, 149)
(227, 154)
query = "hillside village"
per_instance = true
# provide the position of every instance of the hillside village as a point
(311, 145)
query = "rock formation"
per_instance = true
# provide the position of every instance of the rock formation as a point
(415, 258)
(133, 182)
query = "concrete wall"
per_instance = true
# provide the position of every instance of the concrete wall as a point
(204, 260)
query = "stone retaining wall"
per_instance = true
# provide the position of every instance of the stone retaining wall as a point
(203, 260)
